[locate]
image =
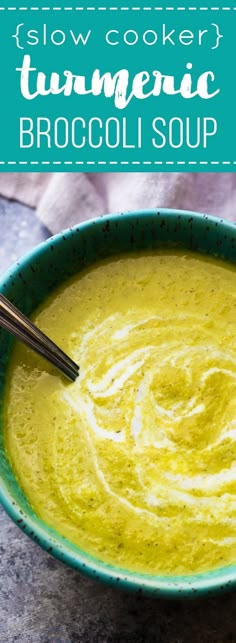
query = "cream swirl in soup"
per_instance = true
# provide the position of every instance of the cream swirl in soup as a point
(135, 462)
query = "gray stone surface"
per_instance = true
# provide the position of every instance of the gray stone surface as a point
(19, 231)
(43, 601)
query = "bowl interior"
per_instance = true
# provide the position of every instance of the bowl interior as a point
(28, 282)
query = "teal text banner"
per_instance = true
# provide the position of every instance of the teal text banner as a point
(120, 87)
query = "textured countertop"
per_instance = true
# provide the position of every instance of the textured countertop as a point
(43, 601)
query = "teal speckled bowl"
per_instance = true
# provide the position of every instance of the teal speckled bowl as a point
(27, 283)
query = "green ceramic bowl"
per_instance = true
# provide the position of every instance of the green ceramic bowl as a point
(27, 283)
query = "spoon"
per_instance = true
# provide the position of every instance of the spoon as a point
(12, 320)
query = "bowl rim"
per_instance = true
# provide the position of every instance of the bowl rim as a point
(170, 587)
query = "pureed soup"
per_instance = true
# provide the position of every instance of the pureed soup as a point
(135, 462)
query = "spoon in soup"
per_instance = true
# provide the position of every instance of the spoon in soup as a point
(13, 320)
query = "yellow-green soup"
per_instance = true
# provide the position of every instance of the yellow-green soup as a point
(135, 462)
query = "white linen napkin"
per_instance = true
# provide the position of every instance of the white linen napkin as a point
(65, 199)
